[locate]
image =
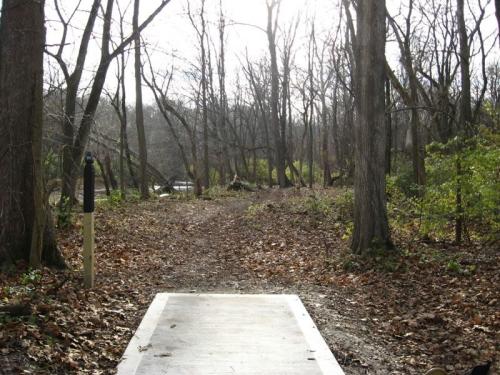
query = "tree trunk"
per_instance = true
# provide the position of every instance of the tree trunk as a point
(123, 188)
(103, 175)
(275, 122)
(310, 138)
(310, 152)
(325, 152)
(109, 171)
(139, 114)
(371, 227)
(465, 100)
(204, 94)
(226, 164)
(73, 79)
(497, 12)
(121, 109)
(388, 146)
(465, 116)
(22, 204)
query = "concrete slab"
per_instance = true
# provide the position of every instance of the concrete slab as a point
(218, 334)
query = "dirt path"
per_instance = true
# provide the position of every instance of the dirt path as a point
(200, 245)
(266, 242)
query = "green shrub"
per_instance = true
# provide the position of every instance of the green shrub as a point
(479, 182)
(344, 204)
(256, 209)
(50, 165)
(64, 214)
(434, 212)
(319, 205)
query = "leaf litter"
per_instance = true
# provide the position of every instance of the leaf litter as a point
(400, 315)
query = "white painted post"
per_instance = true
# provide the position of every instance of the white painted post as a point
(88, 222)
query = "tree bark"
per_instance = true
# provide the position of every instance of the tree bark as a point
(103, 175)
(271, 36)
(225, 165)
(388, 146)
(371, 227)
(204, 85)
(465, 100)
(139, 110)
(465, 116)
(109, 171)
(23, 212)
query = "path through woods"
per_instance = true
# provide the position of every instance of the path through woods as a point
(375, 321)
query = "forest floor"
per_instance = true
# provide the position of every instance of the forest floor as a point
(428, 304)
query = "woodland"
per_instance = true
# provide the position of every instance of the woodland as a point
(353, 161)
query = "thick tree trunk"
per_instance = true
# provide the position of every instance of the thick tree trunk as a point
(371, 227)
(51, 254)
(22, 205)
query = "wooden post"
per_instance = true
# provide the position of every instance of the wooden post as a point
(88, 222)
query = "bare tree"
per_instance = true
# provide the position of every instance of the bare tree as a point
(371, 227)
(201, 32)
(167, 108)
(225, 163)
(325, 76)
(119, 103)
(259, 91)
(76, 138)
(273, 7)
(411, 96)
(139, 111)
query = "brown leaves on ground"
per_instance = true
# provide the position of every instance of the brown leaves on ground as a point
(430, 304)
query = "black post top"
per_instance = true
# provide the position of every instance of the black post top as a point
(88, 157)
(88, 183)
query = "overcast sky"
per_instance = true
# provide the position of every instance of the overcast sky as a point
(172, 34)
